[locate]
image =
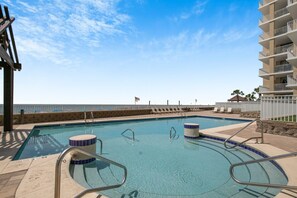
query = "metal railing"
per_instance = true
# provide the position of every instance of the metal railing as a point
(292, 25)
(280, 30)
(280, 87)
(281, 12)
(231, 171)
(86, 117)
(283, 68)
(133, 134)
(240, 143)
(264, 2)
(291, 2)
(263, 54)
(282, 49)
(262, 72)
(172, 136)
(263, 89)
(291, 81)
(101, 145)
(264, 18)
(75, 149)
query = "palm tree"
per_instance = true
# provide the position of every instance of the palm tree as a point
(257, 91)
(237, 92)
(251, 96)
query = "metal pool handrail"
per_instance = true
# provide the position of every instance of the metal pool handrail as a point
(235, 145)
(58, 172)
(170, 133)
(101, 145)
(91, 116)
(133, 133)
(231, 171)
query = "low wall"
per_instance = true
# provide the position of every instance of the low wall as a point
(250, 114)
(52, 117)
(278, 128)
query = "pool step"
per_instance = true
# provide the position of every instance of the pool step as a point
(78, 174)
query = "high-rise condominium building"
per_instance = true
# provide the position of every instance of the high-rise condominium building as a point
(279, 41)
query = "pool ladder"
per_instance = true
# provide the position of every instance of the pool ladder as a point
(238, 144)
(172, 134)
(78, 150)
(127, 130)
(86, 117)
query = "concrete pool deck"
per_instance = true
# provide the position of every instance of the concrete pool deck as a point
(34, 177)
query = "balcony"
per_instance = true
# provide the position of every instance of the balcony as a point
(264, 19)
(283, 68)
(279, 70)
(263, 90)
(281, 30)
(263, 37)
(292, 30)
(292, 8)
(280, 87)
(292, 56)
(281, 12)
(292, 82)
(283, 48)
(264, 2)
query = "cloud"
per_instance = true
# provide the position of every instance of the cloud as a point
(28, 7)
(233, 35)
(54, 27)
(8, 2)
(197, 9)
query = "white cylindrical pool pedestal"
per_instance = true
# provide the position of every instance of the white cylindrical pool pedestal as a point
(84, 142)
(191, 130)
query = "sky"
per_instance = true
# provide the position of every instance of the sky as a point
(109, 51)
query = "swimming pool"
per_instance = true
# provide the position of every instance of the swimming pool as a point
(52, 139)
(158, 166)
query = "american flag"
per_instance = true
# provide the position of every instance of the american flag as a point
(136, 99)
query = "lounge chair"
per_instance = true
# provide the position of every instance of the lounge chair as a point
(222, 109)
(216, 110)
(229, 110)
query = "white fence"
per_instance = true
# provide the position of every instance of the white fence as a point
(243, 106)
(282, 108)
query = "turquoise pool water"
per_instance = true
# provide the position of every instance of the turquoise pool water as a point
(157, 166)
(45, 140)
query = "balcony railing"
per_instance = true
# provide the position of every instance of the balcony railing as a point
(264, 2)
(262, 72)
(281, 12)
(291, 81)
(291, 2)
(292, 25)
(263, 54)
(263, 89)
(264, 18)
(280, 30)
(280, 86)
(283, 68)
(282, 49)
(263, 36)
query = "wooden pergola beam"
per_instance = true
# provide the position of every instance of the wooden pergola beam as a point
(10, 62)
(6, 24)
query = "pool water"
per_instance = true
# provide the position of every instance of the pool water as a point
(46, 140)
(157, 166)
